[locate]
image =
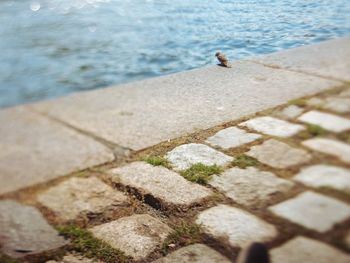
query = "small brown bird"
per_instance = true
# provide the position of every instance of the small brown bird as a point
(223, 60)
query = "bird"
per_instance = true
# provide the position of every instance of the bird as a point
(223, 59)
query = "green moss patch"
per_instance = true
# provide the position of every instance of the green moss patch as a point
(84, 242)
(183, 235)
(200, 173)
(157, 161)
(243, 161)
(298, 102)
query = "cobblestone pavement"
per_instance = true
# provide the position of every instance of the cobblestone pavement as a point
(281, 177)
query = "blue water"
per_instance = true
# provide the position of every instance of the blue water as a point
(49, 48)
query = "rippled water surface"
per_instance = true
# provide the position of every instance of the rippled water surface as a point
(54, 47)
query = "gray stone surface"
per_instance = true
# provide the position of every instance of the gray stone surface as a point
(75, 258)
(238, 226)
(327, 121)
(313, 211)
(232, 137)
(329, 59)
(24, 231)
(305, 250)
(278, 154)
(323, 175)
(186, 155)
(197, 253)
(160, 182)
(273, 126)
(291, 112)
(137, 236)
(337, 104)
(34, 149)
(144, 113)
(329, 146)
(249, 186)
(81, 195)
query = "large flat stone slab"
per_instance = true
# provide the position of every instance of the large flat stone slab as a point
(322, 175)
(327, 121)
(305, 250)
(328, 59)
(137, 236)
(34, 149)
(144, 113)
(186, 155)
(238, 226)
(232, 137)
(273, 126)
(313, 211)
(249, 186)
(163, 184)
(76, 196)
(278, 154)
(197, 253)
(328, 146)
(24, 231)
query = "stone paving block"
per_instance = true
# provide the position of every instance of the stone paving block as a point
(323, 175)
(315, 102)
(144, 113)
(81, 195)
(232, 137)
(137, 235)
(24, 231)
(34, 149)
(160, 182)
(249, 186)
(291, 112)
(197, 253)
(305, 250)
(329, 146)
(75, 258)
(278, 154)
(186, 155)
(313, 211)
(329, 59)
(273, 126)
(345, 93)
(337, 104)
(238, 226)
(327, 121)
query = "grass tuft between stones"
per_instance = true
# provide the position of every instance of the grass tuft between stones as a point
(157, 161)
(84, 242)
(315, 130)
(200, 173)
(243, 161)
(298, 102)
(183, 235)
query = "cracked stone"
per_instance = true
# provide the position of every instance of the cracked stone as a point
(327, 121)
(197, 253)
(137, 235)
(313, 211)
(278, 154)
(302, 249)
(184, 156)
(237, 226)
(232, 137)
(81, 195)
(273, 126)
(24, 231)
(160, 182)
(332, 147)
(322, 175)
(250, 186)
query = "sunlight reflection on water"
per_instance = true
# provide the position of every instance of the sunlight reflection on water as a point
(54, 47)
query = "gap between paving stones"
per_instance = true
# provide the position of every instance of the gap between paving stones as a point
(286, 229)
